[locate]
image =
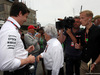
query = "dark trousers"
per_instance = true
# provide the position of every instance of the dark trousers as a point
(23, 71)
(43, 66)
(72, 65)
(61, 71)
(35, 66)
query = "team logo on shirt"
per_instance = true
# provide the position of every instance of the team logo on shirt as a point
(11, 41)
(46, 48)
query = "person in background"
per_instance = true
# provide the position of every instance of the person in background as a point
(22, 37)
(13, 57)
(90, 42)
(42, 43)
(30, 39)
(72, 55)
(60, 34)
(53, 54)
(97, 20)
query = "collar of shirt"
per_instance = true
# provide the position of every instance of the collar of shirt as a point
(49, 41)
(15, 22)
(30, 33)
(91, 27)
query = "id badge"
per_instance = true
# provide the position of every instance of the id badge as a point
(72, 44)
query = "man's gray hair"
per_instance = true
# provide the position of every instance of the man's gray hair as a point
(51, 30)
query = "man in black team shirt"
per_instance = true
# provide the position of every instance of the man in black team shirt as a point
(90, 42)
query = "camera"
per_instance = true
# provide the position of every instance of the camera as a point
(65, 23)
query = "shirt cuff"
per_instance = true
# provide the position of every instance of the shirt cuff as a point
(42, 54)
(16, 64)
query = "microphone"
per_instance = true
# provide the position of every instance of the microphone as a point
(78, 38)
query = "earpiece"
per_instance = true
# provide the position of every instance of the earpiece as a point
(89, 20)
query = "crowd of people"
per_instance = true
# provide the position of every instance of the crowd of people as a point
(78, 48)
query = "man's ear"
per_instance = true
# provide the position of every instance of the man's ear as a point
(20, 13)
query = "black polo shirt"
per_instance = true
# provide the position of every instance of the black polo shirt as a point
(70, 50)
(91, 48)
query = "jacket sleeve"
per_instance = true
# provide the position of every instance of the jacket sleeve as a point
(30, 40)
(8, 60)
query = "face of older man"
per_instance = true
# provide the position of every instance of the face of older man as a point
(47, 37)
(31, 31)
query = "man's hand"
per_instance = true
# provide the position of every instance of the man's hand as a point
(38, 35)
(31, 59)
(38, 58)
(30, 48)
(93, 66)
(77, 46)
(68, 31)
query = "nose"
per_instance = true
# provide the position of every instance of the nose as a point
(80, 20)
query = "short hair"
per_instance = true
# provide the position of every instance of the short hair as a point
(76, 17)
(41, 28)
(88, 13)
(96, 17)
(51, 30)
(17, 7)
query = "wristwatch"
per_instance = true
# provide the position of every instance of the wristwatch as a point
(94, 63)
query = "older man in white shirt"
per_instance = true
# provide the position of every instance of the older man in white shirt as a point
(53, 53)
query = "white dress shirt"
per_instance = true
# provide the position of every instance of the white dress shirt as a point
(11, 46)
(53, 56)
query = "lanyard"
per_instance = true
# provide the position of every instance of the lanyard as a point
(13, 24)
(86, 38)
(41, 40)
